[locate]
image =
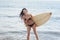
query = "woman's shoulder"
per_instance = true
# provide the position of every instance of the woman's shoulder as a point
(29, 14)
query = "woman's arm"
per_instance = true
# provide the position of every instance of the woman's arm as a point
(31, 16)
(22, 17)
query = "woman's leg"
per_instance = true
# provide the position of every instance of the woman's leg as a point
(28, 32)
(34, 29)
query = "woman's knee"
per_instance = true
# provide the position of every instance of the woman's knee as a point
(28, 30)
(34, 29)
(35, 32)
(28, 34)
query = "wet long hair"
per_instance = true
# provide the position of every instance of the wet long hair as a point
(21, 14)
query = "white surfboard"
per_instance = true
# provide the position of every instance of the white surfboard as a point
(41, 18)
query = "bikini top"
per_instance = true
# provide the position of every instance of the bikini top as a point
(28, 19)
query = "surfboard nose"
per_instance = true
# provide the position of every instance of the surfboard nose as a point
(50, 13)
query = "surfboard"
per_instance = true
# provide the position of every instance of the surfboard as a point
(41, 18)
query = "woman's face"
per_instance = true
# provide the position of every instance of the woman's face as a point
(25, 11)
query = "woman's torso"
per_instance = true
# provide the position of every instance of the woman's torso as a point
(28, 19)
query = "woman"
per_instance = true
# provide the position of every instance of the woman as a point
(29, 23)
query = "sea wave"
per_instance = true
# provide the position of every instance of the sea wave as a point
(22, 35)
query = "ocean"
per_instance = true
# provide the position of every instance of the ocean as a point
(13, 28)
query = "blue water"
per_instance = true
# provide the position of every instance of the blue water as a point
(13, 28)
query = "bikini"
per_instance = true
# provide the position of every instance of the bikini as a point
(32, 23)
